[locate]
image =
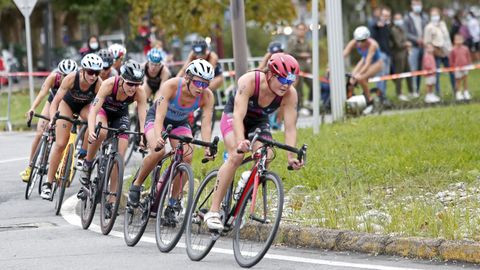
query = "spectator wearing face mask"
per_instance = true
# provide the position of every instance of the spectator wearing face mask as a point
(400, 55)
(436, 32)
(415, 22)
(93, 46)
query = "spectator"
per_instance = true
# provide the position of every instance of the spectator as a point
(301, 50)
(474, 29)
(428, 63)
(372, 21)
(436, 33)
(400, 55)
(415, 22)
(458, 27)
(93, 46)
(381, 33)
(460, 56)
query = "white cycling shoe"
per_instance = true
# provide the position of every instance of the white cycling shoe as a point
(213, 221)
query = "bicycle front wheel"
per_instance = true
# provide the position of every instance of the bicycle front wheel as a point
(176, 199)
(35, 172)
(63, 178)
(112, 193)
(198, 237)
(89, 204)
(257, 222)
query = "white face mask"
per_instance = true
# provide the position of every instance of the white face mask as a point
(435, 18)
(398, 23)
(417, 8)
(94, 45)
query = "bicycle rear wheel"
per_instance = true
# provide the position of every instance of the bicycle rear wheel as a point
(63, 179)
(255, 231)
(108, 216)
(35, 172)
(173, 206)
(89, 204)
(198, 238)
(136, 218)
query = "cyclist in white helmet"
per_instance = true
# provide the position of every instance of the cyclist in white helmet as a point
(369, 64)
(49, 87)
(76, 92)
(178, 97)
(118, 52)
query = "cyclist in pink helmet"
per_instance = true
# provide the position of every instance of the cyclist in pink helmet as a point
(259, 94)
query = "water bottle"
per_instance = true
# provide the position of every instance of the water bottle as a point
(241, 184)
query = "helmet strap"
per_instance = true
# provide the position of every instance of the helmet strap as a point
(268, 82)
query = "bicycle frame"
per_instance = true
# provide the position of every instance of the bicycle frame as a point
(71, 143)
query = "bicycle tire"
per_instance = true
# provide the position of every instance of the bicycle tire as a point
(132, 232)
(170, 222)
(88, 206)
(250, 232)
(45, 163)
(64, 175)
(106, 224)
(198, 238)
(34, 166)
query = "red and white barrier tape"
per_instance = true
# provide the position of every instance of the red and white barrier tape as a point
(24, 74)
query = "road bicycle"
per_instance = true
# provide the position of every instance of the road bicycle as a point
(170, 196)
(63, 175)
(39, 162)
(107, 166)
(253, 214)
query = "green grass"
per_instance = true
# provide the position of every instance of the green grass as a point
(395, 165)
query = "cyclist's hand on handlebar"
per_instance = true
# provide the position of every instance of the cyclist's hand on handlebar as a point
(243, 146)
(160, 143)
(92, 137)
(295, 163)
(29, 114)
(208, 155)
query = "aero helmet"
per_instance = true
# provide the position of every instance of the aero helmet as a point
(67, 66)
(107, 58)
(199, 46)
(155, 56)
(201, 68)
(132, 71)
(284, 65)
(117, 50)
(275, 47)
(92, 61)
(361, 33)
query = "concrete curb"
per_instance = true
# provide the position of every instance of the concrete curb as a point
(416, 247)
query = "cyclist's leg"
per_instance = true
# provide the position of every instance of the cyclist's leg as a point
(92, 147)
(62, 134)
(227, 170)
(374, 68)
(187, 154)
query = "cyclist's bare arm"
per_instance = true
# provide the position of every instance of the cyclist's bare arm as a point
(167, 92)
(213, 59)
(289, 106)
(348, 48)
(246, 87)
(65, 86)
(207, 103)
(46, 86)
(185, 65)
(165, 74)
(105, 90)
(141, 99)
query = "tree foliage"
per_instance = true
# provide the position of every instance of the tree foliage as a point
(188, 16)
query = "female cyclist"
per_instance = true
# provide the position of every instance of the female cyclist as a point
(73, 97)
(178, 97)
(259, 94)
(50, 87)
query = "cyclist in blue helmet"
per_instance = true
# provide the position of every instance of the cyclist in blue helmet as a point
(155, 72)
(273, 47)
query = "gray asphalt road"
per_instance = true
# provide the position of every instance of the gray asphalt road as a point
(32, 237)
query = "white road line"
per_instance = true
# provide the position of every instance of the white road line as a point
(68, 213)
(13, 160)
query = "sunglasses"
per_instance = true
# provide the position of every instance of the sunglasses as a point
(92, 72)
(132, 84)
(284, 81)
(200, 84)
(107, 68)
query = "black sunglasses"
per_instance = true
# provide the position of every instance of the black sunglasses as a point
(132, 84)
(92, 72)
